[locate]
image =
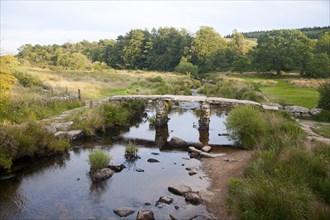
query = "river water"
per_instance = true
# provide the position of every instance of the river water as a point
(60, 186)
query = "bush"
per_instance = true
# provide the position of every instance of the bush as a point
(324, 100)
(253, 128)
(98, 159)
(247, 126)
(232, 90)
(8, 149)
(27, 140)
(28, 80)
(186, 67)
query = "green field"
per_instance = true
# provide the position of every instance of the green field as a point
(286, 93)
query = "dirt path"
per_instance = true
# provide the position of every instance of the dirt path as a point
(220, 170)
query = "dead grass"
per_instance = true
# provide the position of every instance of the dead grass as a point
(306, 83)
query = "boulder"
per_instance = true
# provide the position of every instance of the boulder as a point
(145, 215)
(123, 212)
(117, 168)
(206, 148)
(75, 134)
(193, 198)
(165, 199)
(152, 160)
(198, 145)
(179, 190)
(177, 142)
(64, 126)
(297, 111)
(315, 111)
(102, 174)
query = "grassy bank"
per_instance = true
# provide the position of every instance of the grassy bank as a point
(283, 180)
(32, 96)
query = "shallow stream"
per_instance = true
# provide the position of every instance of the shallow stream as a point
(60, 187)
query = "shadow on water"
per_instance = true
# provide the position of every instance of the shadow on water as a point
(60, 186)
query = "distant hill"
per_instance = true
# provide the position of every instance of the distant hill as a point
(312, 33)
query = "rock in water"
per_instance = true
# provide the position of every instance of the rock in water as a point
(102, 174)
(179, 190)
(152, 160)
(165, 199)
(140, 170)
(193, 198)
(123, 212)
(145, 215)
(178, 142)
(117, 168)
(191, 173)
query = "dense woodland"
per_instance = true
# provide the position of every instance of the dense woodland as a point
(313, 33)
(171, 49)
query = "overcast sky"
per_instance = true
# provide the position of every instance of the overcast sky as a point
(57, 22)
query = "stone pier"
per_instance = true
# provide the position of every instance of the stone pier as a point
(204, 123)
(162, 108)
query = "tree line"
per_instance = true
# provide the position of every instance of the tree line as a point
(311, 32)
(171, 49)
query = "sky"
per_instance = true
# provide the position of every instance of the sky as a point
(56, 22)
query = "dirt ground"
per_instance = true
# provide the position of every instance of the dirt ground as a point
(220, 170)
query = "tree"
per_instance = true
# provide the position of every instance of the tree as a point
(133, 49)
(323, 43)
(318, 66)
(208, 49)
(241, 63)
(282, 50)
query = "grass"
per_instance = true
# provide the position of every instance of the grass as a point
(283, 180)
(286, 91)
(322, 129)
(98, 159)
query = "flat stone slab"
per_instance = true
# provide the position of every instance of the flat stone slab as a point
(182, 98)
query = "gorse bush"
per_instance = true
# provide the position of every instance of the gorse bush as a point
(98, 159)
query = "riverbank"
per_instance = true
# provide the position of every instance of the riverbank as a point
(220, 170)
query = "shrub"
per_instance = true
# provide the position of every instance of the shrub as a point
(186, 67)
(232, 90)
(252, 128)
(247, 126)
(131, 151)
(324, 100)
(28, 80)
(8, 149)
(98, 159)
